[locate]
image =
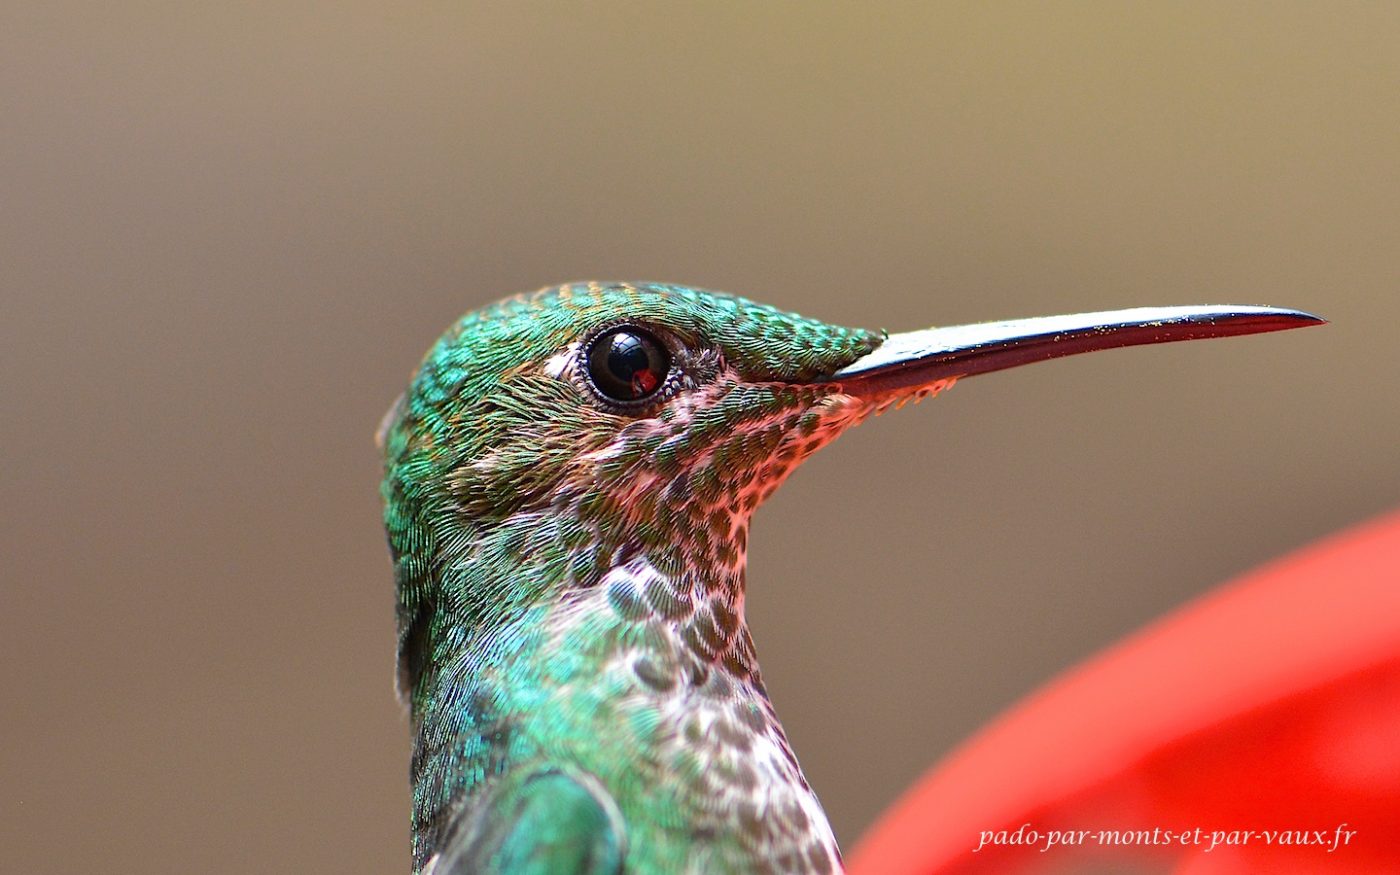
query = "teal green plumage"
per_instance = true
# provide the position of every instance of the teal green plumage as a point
(571, 576)
(540, 823)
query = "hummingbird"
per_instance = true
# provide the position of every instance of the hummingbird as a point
(569, 481)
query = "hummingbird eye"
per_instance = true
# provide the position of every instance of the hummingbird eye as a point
(627, 365)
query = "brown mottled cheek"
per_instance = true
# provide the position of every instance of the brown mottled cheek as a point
(522, 474)
(680, 481)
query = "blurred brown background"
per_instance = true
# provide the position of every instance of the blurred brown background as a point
(228, 231)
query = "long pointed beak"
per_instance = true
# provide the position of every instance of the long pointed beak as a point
(919, 358)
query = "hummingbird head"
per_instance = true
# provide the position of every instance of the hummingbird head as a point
(551, 437)
(618, 396)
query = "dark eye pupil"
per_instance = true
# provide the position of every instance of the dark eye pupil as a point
(627, 364)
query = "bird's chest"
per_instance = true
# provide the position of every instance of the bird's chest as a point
(654, 690)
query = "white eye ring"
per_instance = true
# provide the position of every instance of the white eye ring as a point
(558, 364)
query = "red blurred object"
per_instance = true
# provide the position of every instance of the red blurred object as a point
(1268, 707)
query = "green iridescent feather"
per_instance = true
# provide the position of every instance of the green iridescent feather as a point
(570, 584)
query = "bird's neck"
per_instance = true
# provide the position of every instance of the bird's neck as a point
(637, 673)
(522, 583)
(540, 641)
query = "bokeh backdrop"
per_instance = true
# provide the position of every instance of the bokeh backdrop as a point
(228, 231)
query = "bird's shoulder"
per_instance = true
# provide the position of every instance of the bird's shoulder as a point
(546, 821)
